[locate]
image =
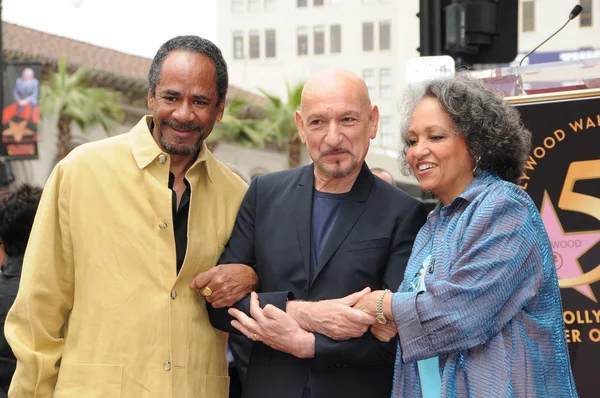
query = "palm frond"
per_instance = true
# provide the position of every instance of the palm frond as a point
(240, 124)
(70, 95)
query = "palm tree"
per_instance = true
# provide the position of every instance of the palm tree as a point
(240, 124)
(253, 124)
(280, 123)
(73, 100)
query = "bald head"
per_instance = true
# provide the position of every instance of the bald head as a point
(27, 74)
(383, 174)
(332, 81)
(336, 121)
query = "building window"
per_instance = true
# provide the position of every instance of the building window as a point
(335, 38)
(385, 35)
(254, 44)
(270, 43)
(301, 3)
(528, 16)
(367, 36)
(270, 5)
(318, 3)
(386, 131)
(319, 40)
(385, 83)
(370, 81)
(302, 41)
(237, 5)
(238, 45)
(254, 5)
(585, 19)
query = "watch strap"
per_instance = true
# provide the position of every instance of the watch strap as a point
(379, 315)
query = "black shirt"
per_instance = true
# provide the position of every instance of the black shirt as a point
(325, 209)
(180, 220)
(180, 215)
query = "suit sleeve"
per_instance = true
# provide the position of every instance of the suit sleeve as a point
(368, 350)
(32, 98)
(16, 95)
(35, 323)
(240, 249)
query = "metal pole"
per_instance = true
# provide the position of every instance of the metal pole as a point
(438, 14)
(1, 65)
(6, 177)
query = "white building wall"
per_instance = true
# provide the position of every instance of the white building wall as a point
(286, 17)
(551, 15)
(271, 74)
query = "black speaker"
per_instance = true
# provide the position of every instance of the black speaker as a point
(470, 31)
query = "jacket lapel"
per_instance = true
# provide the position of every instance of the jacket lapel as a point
(351, 210)
(303, 194)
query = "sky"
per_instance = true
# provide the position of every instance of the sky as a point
(135, 27)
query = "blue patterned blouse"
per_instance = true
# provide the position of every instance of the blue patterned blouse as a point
(492, 310)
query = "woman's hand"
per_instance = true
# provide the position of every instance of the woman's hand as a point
(368, 303)
(384, 332)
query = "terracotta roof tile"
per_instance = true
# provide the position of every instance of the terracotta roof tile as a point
(32, 44)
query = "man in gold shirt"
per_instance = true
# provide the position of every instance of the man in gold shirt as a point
(104, 307)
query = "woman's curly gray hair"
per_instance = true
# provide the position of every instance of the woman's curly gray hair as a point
(492, 128)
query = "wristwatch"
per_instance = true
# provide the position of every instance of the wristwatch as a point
(379, 316)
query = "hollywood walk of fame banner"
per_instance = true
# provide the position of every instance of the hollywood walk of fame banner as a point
(562, 176)
(21, 111)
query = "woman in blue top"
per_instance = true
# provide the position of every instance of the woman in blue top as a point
(479, 312)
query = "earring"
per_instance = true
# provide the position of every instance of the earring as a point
(476, 168)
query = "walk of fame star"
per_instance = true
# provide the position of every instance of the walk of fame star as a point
(568, 246)
(17, 130)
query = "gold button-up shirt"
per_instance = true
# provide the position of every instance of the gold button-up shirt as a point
(101, 310)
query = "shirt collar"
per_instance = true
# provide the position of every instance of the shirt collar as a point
(475, 187)
(146, 150)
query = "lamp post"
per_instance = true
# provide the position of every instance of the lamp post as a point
(1, 65)
(6, 175)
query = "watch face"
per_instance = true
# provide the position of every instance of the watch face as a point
(381, 319)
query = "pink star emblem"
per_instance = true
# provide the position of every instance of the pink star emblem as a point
(567, 247)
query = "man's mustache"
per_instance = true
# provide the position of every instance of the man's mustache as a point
(334, 150)
(175, 125)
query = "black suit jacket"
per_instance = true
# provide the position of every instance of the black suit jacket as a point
(9, 285)
(369, 245)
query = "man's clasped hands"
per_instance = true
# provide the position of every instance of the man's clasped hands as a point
(292, 331)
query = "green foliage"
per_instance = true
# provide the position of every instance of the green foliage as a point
(69, 96)
(280, 124)
(252, 124)
(240, 124)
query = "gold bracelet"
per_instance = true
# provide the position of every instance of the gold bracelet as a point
(381, 319)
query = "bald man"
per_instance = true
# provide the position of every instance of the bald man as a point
(320, 237)
(383, 174)
(26, 92)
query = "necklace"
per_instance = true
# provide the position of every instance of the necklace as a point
(428, 265)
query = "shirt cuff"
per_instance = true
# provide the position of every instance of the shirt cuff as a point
(414, 342)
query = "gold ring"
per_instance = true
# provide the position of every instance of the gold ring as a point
(206, 292)
(253, 336)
